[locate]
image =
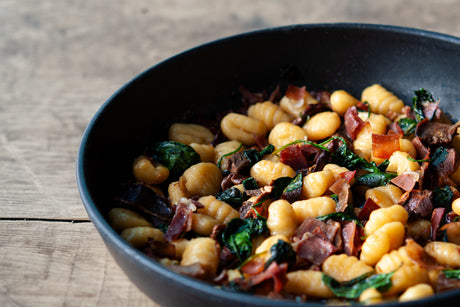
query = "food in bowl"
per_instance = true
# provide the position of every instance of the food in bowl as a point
(304, 195)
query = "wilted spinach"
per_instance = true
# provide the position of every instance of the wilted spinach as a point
(421, 97)
(347, 215)
(453, 274)
(175, 156)
(377, 176)
(279, 186)
(238, 235)
(352, 289)
(439, 156)
(281, 252)
(407, 125)
(250, 184)
(442, 196)
(375, 179)
(255, 156)
(232, 196)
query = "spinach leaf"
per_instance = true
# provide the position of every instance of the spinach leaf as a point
(352, 289)
(255, 156)
(375, 179)
(453, 274)
(175, 156)
(343, 156)
(238, 235)
(294, 189)
(407, 125)
(250, 184)
(279, 185)
(281, 252)
(335, 197)
(232, 196)
(439, 156)
(442, 196)
(422, 96)
(347, 215)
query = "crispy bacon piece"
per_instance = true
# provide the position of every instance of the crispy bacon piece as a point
(383, 145)
(341, 187)
(315, 240)
(351, 236)
(293, 157)
(436, 218)
(353, 123)
(314, 247)
(369, 206)
(323, 157)
(294, 92)
(248, 210)
(395, 128)
(406, 180)
(180, 223)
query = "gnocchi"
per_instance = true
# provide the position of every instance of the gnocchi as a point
(293, 198)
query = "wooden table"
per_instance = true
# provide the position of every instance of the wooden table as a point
(59, 61)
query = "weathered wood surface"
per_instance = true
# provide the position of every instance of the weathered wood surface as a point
(59, 61)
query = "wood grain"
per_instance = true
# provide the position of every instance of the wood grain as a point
(43, 264)
(59, 61)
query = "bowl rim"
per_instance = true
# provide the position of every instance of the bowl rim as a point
(110, 235)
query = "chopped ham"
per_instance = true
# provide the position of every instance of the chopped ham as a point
(315, 240)
(293, 157)
(276, 272)
(369, 206)
(436, 219)
(181, 221)
(351, 238)
(406, 180)
(341, 187)
(353, 123)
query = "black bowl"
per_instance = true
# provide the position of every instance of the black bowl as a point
(204, 80)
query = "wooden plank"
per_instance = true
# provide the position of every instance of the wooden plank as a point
(62, 59)
(60, 264)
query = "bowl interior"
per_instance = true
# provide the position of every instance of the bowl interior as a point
(204, 81)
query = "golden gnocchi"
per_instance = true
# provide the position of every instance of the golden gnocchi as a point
(293, 198)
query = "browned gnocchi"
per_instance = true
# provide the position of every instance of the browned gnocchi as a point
(313, 196)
